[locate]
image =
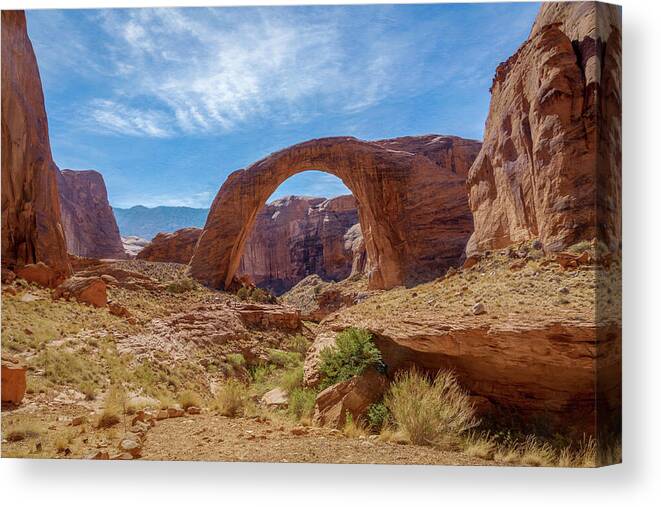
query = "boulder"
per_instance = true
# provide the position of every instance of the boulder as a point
(39, 273)
(550, 164)
(174, 246)
(8, 276)
(88, 220)
(14, 381)
(277, 398)
(91, 291)
(411, 197)
(323, 340)
(31, 223)
(353, 396)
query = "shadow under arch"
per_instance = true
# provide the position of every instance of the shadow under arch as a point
(411, 197)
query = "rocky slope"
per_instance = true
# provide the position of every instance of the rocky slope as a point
(550, 165)
(31, 223)
(411, 201)
(148, 222)
(89, 223)
(517, 328)
(297, 236)
(175, 246)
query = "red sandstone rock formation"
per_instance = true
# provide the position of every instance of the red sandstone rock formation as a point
(31, 223)
(177, 246)
(411, 199)
(90, 290)
(13, 381)
(89, 223)
(550, 165)
(295, 236)
(353, 397)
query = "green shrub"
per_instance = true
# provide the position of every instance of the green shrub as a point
(352, 353)
(378, 416)
(243, 293)
(580, 247)
(292, 379)
(297, 343)
(284, 359)
(189, 399)
(236, 359)
(181, 285)
(301, 403)
(430, 413)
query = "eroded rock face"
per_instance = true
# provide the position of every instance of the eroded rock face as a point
(31, 222)
(175, 246)
(89, 223)
(550, 165)
(297, 236)
(411, 199)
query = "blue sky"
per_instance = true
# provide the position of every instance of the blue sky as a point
(165, 103)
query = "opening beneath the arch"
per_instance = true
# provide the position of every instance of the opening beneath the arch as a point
(309, 227)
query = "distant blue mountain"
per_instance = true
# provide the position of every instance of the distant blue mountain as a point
(148, 222)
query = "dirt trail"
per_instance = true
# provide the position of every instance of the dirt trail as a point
(209, 437)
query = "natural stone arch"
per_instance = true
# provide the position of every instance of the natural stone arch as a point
(411, 196)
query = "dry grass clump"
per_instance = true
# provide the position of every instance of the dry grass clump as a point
(23, 430)
(189, 399)
(584, 454)
(231, 398)
(297, 343)
(480, 445)
(535, 453)
(113, 409)
(301, 404)
(353, 429)
(430, 412)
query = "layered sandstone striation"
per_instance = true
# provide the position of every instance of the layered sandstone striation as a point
(89, 223)
(550, 165)
(296, 236)
(31, 224)
(177, 246)
(411, 197)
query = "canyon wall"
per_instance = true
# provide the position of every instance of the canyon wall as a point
(89, 223)
(297, 236)
(31, 223)
(550, 164)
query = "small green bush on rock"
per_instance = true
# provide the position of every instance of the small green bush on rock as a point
(352, 353)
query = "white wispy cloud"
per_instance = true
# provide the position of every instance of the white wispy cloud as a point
(121, 119)
(214, 70)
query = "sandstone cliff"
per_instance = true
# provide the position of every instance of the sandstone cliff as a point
(550, 165)
(297, 236)
(175, 246)
(89, 223)
(31, 223)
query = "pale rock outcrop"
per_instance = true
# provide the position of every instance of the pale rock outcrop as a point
(31, 223)
(88, 220)
(550, 165)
